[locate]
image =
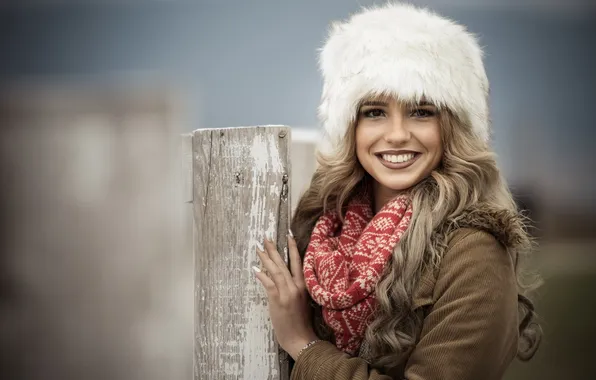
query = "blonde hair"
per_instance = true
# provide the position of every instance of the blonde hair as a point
(467, 176)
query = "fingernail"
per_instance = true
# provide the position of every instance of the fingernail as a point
(260, 247)
(290, 233)
(256, 269)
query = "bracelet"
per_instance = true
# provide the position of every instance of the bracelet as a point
(307, 346)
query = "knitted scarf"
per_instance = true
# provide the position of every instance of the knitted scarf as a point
(343, 264)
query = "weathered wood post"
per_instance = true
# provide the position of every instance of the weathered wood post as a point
(240, 193)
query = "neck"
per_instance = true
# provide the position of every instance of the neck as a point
(382, 195)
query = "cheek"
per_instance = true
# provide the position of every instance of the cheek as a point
(438, 157)
(367, 134)
(432, 140)
(362, 141)
(437, 150)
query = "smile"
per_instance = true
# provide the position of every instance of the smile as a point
(398, 161)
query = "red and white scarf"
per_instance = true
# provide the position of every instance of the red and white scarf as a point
(343, 264)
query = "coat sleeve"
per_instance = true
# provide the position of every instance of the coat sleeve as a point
(471, 331)
(324, 361)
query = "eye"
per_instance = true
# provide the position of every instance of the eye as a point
(423, 113)
(373, 113)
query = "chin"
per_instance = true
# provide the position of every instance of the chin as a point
(398, 187)
(398, 184)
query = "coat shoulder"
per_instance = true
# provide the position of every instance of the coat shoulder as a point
(472, 246)
(467, 248)
(472, 236)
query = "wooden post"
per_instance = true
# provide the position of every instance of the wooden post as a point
(240, 193)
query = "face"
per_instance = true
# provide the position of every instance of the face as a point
(398, 145)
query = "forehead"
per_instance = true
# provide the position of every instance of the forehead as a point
(384, 99)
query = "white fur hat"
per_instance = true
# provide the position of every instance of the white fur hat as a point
(407, 52)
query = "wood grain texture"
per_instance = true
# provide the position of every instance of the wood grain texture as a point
(241, 193)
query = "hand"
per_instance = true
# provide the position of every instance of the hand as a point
(288, 301)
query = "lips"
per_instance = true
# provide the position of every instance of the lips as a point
(411, 158)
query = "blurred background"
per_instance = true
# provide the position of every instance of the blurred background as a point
(96, 269)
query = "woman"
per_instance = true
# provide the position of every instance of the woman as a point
(410, 238)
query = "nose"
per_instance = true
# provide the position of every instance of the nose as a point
(397, 130)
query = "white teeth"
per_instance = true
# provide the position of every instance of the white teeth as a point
(398, 158)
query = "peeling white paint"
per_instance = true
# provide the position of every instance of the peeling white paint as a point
(265, 154)
(276, 164)
(266, 160)
(257, 338)
(231, 368)
(274, 189)
(258, 354)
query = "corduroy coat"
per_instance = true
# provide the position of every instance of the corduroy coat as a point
(469, 303)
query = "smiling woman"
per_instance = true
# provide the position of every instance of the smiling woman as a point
(407, 242)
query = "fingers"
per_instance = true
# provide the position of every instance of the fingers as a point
(273, 254)
(268, 284)
(295, 262)
(276, 258)
(275, 272)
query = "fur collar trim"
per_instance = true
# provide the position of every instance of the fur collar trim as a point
(506, 226)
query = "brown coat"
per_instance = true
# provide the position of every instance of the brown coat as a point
(470, 326)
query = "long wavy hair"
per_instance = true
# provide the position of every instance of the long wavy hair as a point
(467, 176)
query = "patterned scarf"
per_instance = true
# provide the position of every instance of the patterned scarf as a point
(343, 264)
